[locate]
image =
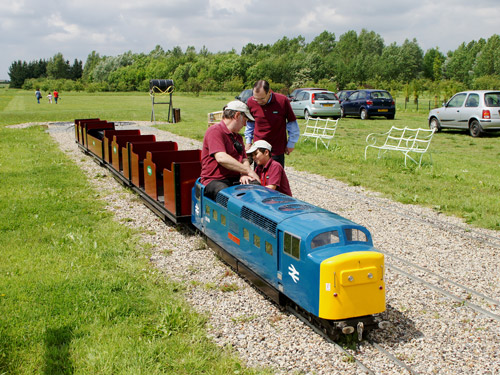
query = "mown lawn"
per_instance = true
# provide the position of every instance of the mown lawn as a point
(77, 291)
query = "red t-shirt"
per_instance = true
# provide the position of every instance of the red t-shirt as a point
(271, 120)
(218, 138)
(273, 174)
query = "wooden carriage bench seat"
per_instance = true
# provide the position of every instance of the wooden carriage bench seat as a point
(93, 134)
(78, 131)
(119, 142)
(321, 130)
(411, 142)
(108, 140)
(169, 177)
(133, 156)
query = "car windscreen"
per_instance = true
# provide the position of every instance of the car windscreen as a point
(492, 99)
(325, 96)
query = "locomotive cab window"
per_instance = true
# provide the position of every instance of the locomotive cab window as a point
(291, 245)
(352, 234)
(326, 238)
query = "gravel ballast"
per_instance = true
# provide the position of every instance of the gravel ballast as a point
(429, 332)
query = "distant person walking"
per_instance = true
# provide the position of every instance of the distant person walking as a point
(56, 96)
(38, 95)
(50, 98)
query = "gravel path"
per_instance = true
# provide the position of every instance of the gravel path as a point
(430, 333)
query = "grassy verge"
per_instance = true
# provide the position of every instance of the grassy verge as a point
(77, 293)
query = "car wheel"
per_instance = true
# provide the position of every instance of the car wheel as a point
(364, 114)
(306, 114)
(475, 128)
(434, 125)
(390, 117)
(342, 112)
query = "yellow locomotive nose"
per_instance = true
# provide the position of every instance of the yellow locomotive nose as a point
(352, 284)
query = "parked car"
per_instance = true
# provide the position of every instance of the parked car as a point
(343, 94)
(295, 92)
(316, 103)
(477, 111)
(244, 95)
(367, 103)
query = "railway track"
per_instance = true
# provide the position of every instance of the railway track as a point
(484, 305)
(399, 264)
(353, 357)
(463, 231)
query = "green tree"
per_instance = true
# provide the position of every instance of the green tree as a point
(92, 60)
(488, 59)
(323, 44)
(433, 64)
(57, 67)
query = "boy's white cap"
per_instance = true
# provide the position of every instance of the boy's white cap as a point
(259, 144)
(238, 105)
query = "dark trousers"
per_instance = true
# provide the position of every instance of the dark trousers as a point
(280, 159)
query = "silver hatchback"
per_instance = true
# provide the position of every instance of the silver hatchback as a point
(477, 111)
(316, 103)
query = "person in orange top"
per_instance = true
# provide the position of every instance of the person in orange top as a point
(56, 96)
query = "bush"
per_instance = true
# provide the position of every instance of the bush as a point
(486, 83)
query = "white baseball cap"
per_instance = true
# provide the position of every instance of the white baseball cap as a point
(238, 105)
(259, 144)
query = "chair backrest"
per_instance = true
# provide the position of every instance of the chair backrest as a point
(414, 139)
(318, 127)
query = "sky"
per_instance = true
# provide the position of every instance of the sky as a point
(34, 29)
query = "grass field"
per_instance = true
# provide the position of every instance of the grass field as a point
(74, 293)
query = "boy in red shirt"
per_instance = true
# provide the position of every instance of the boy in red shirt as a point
(271, 173)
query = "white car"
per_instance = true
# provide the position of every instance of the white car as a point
(316, 103)
(477, 111)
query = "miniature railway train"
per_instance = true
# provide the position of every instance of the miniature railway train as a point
(298, 254)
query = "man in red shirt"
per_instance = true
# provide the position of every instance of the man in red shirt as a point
(274, 118)
(56, 95)
(223, 158)
(271, 173)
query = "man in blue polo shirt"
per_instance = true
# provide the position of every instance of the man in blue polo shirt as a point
(274, 118)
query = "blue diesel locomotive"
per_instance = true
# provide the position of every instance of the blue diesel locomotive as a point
(296, 253)
(299, 255)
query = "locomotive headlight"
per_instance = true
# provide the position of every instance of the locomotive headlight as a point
(370, 275)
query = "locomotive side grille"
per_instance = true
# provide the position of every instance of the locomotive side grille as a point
(259, 220)
(221, 200)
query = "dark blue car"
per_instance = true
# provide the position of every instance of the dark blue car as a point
(368, 103)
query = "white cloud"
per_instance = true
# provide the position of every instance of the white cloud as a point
(33, 29)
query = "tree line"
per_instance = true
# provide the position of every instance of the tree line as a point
(354, 60)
